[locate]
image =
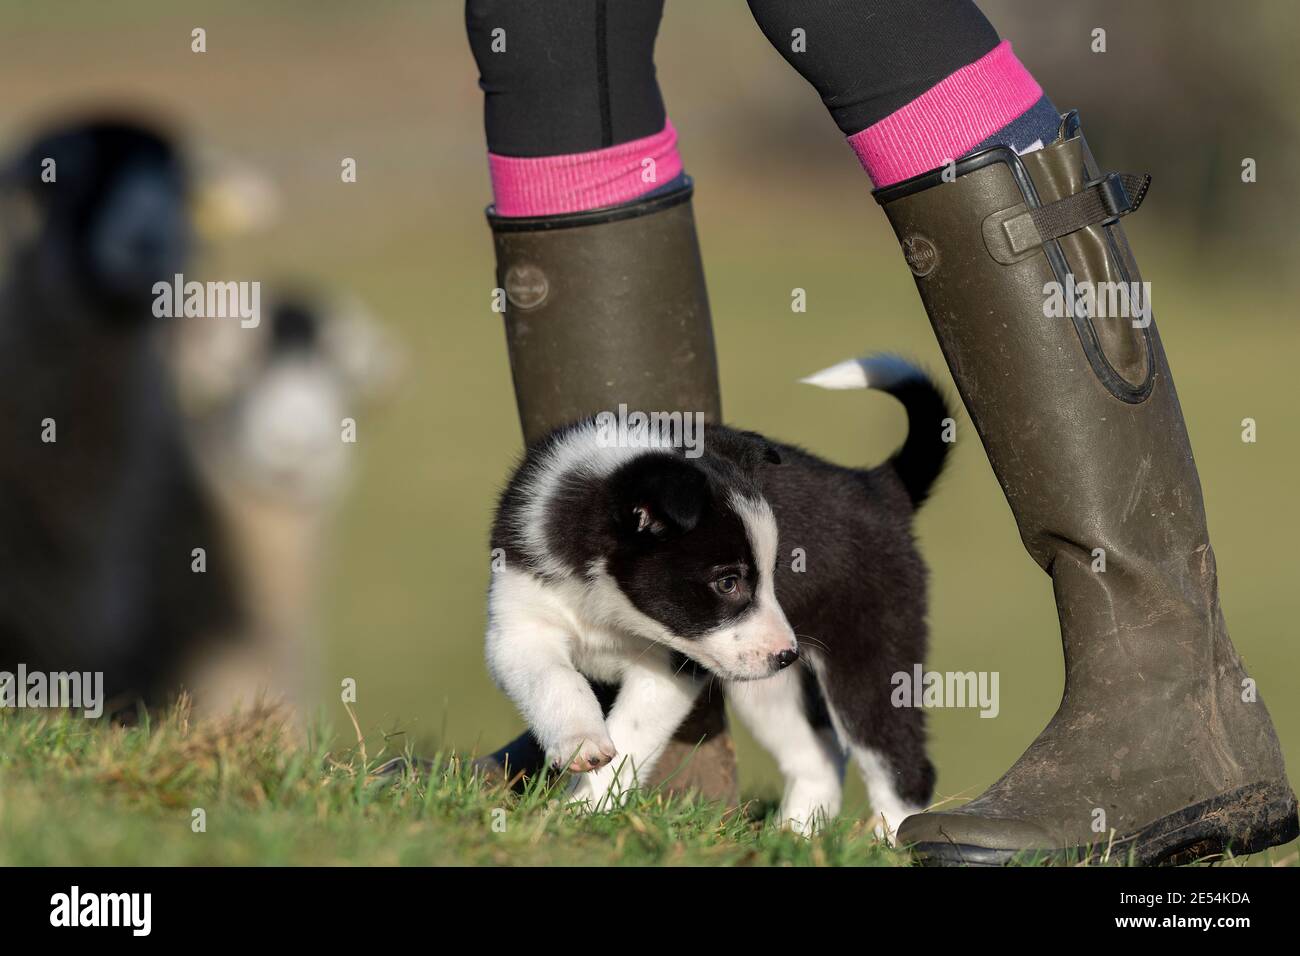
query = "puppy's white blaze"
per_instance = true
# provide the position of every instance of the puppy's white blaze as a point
(872, 371)
(764, 631)
(760, 527)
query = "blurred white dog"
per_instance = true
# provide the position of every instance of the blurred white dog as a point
(268, 411)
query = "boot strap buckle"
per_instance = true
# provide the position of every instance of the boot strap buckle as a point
(1114, 197)
(1100, 203)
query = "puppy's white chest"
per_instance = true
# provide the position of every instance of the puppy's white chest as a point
(603, 653)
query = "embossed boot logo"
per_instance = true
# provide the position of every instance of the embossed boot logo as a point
(920, 254)
(526, 286)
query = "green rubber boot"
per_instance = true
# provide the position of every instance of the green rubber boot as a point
(1161, 750)
(604, 308)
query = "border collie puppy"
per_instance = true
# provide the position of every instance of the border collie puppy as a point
(636, 564)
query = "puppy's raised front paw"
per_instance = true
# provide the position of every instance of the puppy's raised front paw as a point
(582, 753)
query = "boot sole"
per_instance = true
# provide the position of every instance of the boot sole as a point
(1246, 820)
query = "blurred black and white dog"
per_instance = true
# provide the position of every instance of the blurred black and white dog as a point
(636, 563)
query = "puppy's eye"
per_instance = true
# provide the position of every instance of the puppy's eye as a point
(727, 584)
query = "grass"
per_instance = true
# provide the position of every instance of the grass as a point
(79, 793)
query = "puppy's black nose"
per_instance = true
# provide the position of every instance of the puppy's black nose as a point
(786, 658)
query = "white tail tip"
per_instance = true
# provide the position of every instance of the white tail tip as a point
(875, 371)
(848, 374)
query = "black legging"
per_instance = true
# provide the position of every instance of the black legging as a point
(578, 75)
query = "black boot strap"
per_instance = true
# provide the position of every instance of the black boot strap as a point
(1099, 203)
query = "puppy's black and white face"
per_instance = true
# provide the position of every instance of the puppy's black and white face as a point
(695, 552)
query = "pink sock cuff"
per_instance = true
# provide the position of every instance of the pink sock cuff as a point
(550, 185)
(949, 119)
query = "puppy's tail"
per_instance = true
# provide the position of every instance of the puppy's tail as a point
(923, 453)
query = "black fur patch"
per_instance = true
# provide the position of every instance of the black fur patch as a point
(113, 222)
(669, 576)
(97, 527)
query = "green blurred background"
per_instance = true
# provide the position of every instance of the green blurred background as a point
(1185, 90)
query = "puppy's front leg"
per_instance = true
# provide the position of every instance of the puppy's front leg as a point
(529, 657)
(652, 702)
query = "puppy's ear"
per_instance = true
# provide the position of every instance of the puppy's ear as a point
(658, 496)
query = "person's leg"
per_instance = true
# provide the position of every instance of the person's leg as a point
(912, 84)
(597, 257)
(573, 116)
(1161, 750)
